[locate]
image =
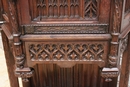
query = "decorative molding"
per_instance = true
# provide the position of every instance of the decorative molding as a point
(66, 28)
(53, 30)
(25, 73)
(89, 51)
(66, 24)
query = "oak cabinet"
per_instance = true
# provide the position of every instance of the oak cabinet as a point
(66, 43)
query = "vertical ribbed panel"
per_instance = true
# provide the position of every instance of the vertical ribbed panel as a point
(51, 75)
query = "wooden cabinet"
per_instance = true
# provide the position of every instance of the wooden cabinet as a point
(67, 43)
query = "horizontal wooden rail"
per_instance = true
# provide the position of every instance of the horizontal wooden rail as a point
(68, 37)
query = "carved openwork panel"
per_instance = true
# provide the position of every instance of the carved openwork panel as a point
(71, 51)
(64, 9)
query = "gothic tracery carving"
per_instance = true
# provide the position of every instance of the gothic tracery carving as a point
(70, 9)
(91, 8)
(60, 52)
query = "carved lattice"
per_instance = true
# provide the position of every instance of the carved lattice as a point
(69, 51)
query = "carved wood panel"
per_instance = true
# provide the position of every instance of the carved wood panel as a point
(70, 51)
(64, 9)
(81, 75)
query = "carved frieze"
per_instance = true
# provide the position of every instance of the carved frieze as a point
(81, 29)
(62, 51)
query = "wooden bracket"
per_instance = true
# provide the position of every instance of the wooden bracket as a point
(24, 73)
(109, 73)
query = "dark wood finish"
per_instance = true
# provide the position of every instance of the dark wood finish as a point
(10, 61)
(64, 10)
(53, 75)
(67, 43)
